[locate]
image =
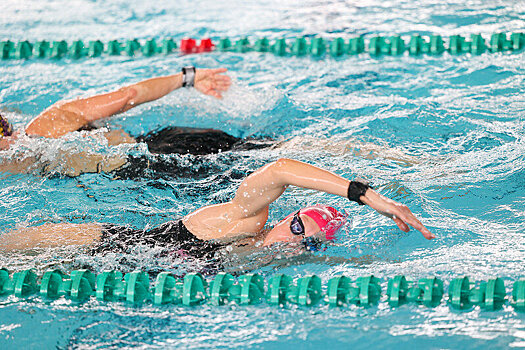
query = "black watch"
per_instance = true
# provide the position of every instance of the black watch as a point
(188, 76)
(356, 189)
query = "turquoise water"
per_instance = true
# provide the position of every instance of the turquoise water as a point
(444, 135)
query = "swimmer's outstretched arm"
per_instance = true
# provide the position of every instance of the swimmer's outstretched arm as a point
(265, 185)
(50, 235)
(66, 116)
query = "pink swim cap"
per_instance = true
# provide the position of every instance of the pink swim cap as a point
(326, 217)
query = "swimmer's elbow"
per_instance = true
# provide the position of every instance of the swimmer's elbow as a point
(282, 163)
(130, 97)
(280, 167)
(39, 128)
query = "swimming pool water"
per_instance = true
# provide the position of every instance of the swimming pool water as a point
(444, 135)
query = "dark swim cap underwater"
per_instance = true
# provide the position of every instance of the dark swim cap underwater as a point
(6, 129)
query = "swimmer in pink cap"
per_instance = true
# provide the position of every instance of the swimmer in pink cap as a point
(241, 221)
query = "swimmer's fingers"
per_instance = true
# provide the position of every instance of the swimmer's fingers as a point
(401, 224)
(214, 94)
(218, 70)
(404, 216)
(209, 83)
(398, 212)
(222, 85)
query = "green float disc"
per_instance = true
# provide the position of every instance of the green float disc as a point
(4, 281)
(149, 48)
(242, 45)
(51, 284)
(478, 44)
(167, 46)
(432, 291)
(494, 294)
(224, 44)
(375, 45)
(107, 283)
(131, 46)
(517, 41)
(114, 48)
(82, 285)
(76, 50)
(5, 48)
(337, 47)
(299, 47)
(58, 49)
(437, 46)
(356, 46)
(252, 289)
(397, 45)
(278, 287)
(459, 291)
(219, 288)
(261, 45)
(309, 290)
(455, 44)
(518, 295)
(397, 290)
(164, 286)
(24, 283)
(193, 289)
(137, 288)
(23, 50)
(95, 49)
(369, 290)
(317, 47)
(279, 47)
(415, 45)
(41, 49)
(338, 288)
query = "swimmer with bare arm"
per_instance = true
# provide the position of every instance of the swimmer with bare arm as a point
(67, 116)
(210, 228)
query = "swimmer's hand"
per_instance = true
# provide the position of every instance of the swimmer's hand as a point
(398, 212)
(211, 81)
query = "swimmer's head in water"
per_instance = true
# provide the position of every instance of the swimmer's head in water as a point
(320, 222)
(6, 129)
(326, 217)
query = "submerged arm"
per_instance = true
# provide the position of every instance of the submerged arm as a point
(67, 116)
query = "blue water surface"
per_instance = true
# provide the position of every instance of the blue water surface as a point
(443, 134)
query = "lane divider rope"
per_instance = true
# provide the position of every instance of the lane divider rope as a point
(301, 46)
(134, 288)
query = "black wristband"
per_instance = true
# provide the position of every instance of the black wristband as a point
(188, 76)
(356, 189)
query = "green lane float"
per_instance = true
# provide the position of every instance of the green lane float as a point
(427, 291)
(79, 287)
(281, 290)
(315, 46)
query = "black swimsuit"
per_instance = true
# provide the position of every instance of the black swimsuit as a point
(175, 140)
(173, 236)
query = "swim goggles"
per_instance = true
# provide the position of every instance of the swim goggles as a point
(297, 228)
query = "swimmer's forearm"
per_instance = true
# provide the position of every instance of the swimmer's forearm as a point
(67, 116)
(50, 235)
(264, 186)
(300, 174)
(153, 89)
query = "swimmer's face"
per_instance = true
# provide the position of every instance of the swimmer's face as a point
(281, 232)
